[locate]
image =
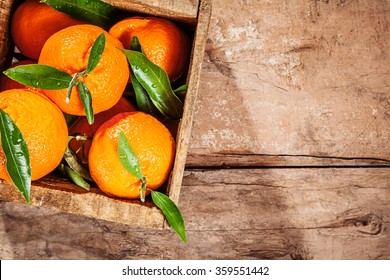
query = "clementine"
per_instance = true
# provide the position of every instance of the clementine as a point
(163, 42)
(33, 23)
(68, 50)
(82, 127)
(152, 143)
(43, 127)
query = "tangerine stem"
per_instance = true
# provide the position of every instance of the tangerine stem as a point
(72, 83)
(81, 137)
(143, 189)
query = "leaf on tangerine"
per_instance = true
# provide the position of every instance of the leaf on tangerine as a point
(39, 76)
(128, 157)
(16, 153)
(96, 53)
(86, 99)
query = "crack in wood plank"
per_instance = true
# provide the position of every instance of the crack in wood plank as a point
(378, 228)
(237, 159)
(303, 155)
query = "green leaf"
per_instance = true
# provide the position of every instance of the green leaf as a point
(128, 157)
(92, 11)
(86, 99)
(71, 160)
(135, 44)
(96, 53)
(70, 119)
(156, 82)
(39, 76)
(171, 212)
(181, 91)
(144, 102)
(74, 176)
(142, 98)
(16, 154)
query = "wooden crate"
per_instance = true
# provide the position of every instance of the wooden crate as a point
(57, 193)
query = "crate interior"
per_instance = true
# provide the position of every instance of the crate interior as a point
(57, 192)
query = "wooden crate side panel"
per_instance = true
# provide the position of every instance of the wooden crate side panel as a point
(184, 10)
(184, 131)
(56, 194)
(5, 43)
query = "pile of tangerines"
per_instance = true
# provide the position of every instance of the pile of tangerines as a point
(46, 36)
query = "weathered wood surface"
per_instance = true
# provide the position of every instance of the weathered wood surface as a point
(184, 10)
(193, 80)
(57, 193)
(5, 46)
(284, 83)
(230, 214)
(295, 83)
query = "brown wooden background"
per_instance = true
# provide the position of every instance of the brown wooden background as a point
(289, 155)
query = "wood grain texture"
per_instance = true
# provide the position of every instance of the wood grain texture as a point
(182, 10)
(292, 83)
(5, 43)
(55, 193)
(302, 81)
(326, 213)
(185, 126)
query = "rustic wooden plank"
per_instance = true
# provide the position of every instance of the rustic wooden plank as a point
(304, 78)
(185, 126)
(309, 213)
(6, 45)
(98, 241)
(55, 193)
(300, 198)
(184, 10)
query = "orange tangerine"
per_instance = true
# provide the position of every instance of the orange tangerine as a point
(68, 50)
(152, 143)
(43, 127)
(163, 42)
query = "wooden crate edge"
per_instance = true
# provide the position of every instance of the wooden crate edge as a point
(89, 204)
(5, 43)
(169, 9)
(185, 127)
